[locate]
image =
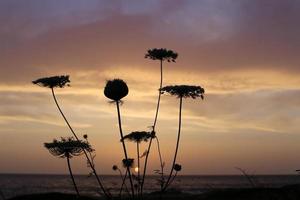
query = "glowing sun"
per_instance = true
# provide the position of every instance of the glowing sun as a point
(136, 169)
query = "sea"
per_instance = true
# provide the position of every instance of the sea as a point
(19, 184)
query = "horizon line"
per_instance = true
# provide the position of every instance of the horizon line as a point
(66, 174)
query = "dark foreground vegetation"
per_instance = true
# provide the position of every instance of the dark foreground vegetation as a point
(291, 192)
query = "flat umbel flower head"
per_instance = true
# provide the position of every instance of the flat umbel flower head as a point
(115, 89)
(184, 91)
(67, 147)
(53, 81)
(128, 162)
(138, 136)
(161, 54)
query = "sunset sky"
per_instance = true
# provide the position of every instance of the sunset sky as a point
(244, 53)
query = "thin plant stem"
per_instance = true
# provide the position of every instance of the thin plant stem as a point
(91, 156)
(71, 174)
(161, 163)
(159, 95)
(177, 145)
(124, 184)
(108, 196)
(138, 157)
(248, 177)
(124, 147)
(173, 178)
(154, 126)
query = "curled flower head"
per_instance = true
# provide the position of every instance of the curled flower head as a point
(53, 81)
(184, 91)
(115, 167)
(115, 89)
(161, 54)
(67, 147)
(128, 162)
(177, 167)
(138, 136)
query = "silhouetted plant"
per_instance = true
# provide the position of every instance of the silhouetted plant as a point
(128, 163)
(184, 91)
(177, 168)
(181, 91)
(92, 156)
(61, 82)
(250, 178)
(116, 168)
(53, 82)
(162, 165)
(161, 54)
(67, 148)
(115, 90)
(138, 137)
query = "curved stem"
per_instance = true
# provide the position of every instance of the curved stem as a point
(177, 145)
(145, 165)
(85, 153)
(124, 147)
(154, 125)
(71, 174)
(138, 157)
(173, 178)
(161, 163)
(159, 95)
(123, 183)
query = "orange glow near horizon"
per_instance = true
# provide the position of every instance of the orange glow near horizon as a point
(248, 65)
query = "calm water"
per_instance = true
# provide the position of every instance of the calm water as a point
(13, 184)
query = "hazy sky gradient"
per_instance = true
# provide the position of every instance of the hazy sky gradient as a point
(244, 53)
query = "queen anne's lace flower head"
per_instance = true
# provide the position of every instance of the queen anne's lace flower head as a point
(129, 162)
(161, 54)
(53, 81)
(138, 136)
(184, 91)
(67, 147)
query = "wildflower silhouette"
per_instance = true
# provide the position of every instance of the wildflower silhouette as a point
(91, 154)
(162, 164)
(160, 55)
(138, 137)
(116, 168)
(61, 82)
(67, 148)
(177, 168)
(181, 91)
(128, 163)
(53, 82)
(115, 90)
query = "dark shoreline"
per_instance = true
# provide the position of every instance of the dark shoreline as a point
(289, 192)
